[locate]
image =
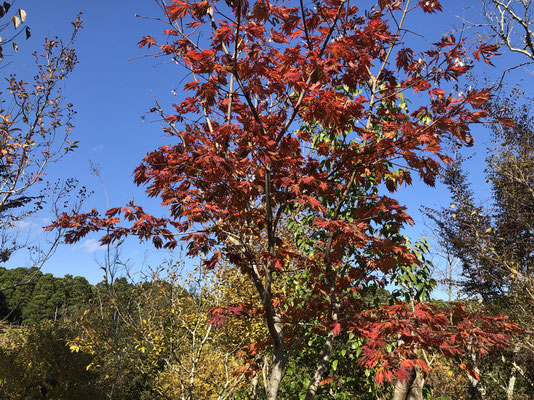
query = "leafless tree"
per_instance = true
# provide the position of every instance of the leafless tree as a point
(35, 128)
(511, 24)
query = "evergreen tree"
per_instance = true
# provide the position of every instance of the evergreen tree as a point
(17, 287)
(29, 296)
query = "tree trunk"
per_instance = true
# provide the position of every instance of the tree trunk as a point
(477, 389)
(400, 392)
(276, 374)
(416, 391)
(513, 374)
(323, 365)
(254, 386)
(279, 362)
(511, 385)
(410, 389)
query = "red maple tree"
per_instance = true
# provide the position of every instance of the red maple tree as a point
(296, 124)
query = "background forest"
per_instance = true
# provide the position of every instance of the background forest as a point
(287, 264)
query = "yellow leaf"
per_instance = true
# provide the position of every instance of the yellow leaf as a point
(5, 118)
(16, 21)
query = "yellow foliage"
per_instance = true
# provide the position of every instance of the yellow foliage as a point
(447, 381)
(162, 327)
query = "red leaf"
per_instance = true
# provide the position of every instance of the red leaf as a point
(147, 40)
(170, 32)
(278, 37)
(405, 58)
(191, 85)
(405, 370)
(223, 33)
(326, 381)
(389, 4)
(430, 6)
(178, 10)
(486, 51)
(237, 310)
(210, 264)
(217, 317)
(336, 329)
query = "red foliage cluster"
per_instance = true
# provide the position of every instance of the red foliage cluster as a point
(454, 332)
(219, 315)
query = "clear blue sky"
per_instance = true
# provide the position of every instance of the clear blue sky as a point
(111, 93)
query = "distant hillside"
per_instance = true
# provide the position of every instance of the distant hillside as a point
(27, 296)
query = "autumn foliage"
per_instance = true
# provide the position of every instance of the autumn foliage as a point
(299, 120)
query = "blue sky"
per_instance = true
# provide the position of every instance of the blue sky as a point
(111, 92)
